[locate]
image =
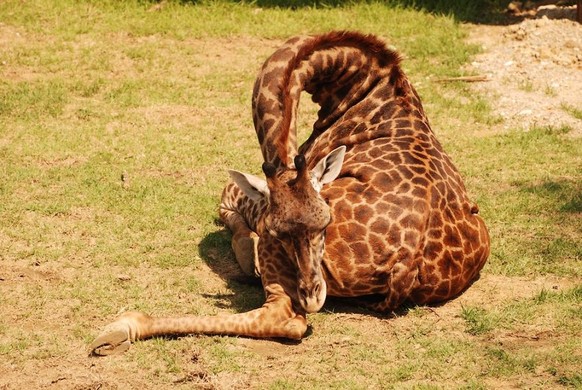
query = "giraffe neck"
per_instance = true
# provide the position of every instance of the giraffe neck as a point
(338, 69)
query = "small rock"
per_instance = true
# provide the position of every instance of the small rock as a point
(124, 180)
(514, 7)
(545, 53)
(520, 34)
(570, 44)
(158, 7)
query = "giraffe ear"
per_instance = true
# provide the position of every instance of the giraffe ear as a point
(254, 187)
(328, 168)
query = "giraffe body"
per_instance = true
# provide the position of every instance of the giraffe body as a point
(370, 204)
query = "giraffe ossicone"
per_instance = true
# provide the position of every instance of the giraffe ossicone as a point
(297, 216)
(370, 204)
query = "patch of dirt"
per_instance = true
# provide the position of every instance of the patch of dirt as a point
(534, 70)
(488, 292)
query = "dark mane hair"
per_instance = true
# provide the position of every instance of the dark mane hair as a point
(368, 44)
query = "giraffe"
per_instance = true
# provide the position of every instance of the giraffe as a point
(369, 205)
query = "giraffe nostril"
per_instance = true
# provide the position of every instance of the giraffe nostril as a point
(317, 289)
(312, 296)
(310, 292)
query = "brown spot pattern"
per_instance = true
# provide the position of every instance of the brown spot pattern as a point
(402, 224)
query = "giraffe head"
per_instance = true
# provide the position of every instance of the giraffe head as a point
(297, 216)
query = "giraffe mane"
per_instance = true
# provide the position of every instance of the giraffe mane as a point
(366, 43)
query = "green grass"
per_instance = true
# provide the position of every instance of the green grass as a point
(572, 110)
(556, 314)
(526, 86)
(536, 199)
(562, 310)
(477, 320)
(117, 126)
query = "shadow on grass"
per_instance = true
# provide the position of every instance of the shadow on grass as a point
(565, 194)
(477, 11)
(216, 252)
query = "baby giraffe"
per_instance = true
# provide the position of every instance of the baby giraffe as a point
(370, 204)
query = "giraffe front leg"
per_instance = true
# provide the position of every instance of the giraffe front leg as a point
(118, 336)
(275, 319)
(245, 244)
(280, 316)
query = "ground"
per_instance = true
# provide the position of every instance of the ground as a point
(534, 73)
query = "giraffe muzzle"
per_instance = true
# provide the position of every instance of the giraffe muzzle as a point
(312, 295)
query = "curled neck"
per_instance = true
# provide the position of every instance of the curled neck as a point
(338, 69)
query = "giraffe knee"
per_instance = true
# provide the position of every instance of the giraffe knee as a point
(245, 247)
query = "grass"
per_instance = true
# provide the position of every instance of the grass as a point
(526, 86)
(536, 198)
(555, 313)
(117, 125)
(572, 110)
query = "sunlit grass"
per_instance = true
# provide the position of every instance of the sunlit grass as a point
(534, 206)
(576, 112)
(117, 125)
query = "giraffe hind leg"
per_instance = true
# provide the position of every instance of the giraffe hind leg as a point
(244, 240)
(402, 282)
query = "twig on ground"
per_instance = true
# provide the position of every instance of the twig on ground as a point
(468, 79)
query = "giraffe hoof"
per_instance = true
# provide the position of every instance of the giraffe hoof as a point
(114, 339)
(295, 328)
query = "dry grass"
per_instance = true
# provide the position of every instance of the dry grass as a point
(115, 137)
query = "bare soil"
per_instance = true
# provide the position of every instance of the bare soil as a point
(534, 70)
